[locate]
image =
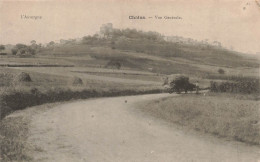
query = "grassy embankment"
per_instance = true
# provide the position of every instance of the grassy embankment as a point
(44, 88)
(14, 131)
(232, 116)
(13, 135)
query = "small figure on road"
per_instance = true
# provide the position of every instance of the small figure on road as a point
(197, 87)
(165, 81)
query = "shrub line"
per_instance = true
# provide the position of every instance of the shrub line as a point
(18, 100)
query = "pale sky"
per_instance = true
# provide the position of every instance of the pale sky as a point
(233, 22)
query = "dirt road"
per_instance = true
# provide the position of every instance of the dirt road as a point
(112, 129)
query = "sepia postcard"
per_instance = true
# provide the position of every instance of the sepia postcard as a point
(130, 81)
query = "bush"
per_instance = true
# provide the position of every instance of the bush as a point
(248, 87)
(18, 99)
(14, 51)
(180, 84)
(114, 64)
(236, 78)
(24, 77)
(221, 71)
(77, 81)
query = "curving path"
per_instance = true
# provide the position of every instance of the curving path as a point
(111, 129)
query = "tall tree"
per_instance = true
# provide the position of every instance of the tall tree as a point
(51, 43)
(33, 42)
(2, 47)
(19, 46)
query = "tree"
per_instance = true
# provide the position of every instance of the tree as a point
(62, 41)
(2, 47)
(33, 42)
(114, 64)
(106, 29)
(14, 51)
(96, 36)
(180, 84)
(51, 43)
(20, 46)
(22, 51)
(31, 50)
(118, 65)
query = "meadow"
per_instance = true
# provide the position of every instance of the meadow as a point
(231, 116)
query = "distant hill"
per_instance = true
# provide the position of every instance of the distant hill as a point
(150, 51)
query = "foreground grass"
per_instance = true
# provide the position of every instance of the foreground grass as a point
(221, 115)
(14, 132)
(13, 135)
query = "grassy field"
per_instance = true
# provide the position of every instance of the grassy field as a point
(128, 76)
(223, 115)
(61, 77)
(13, 135)
(198, 62)
(56, 84)
(194, 61)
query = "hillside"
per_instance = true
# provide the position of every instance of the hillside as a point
(144, 51)
(148, 51)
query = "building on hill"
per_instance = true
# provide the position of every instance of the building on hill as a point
(216, 43)
(106, 30)
(179, 39)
